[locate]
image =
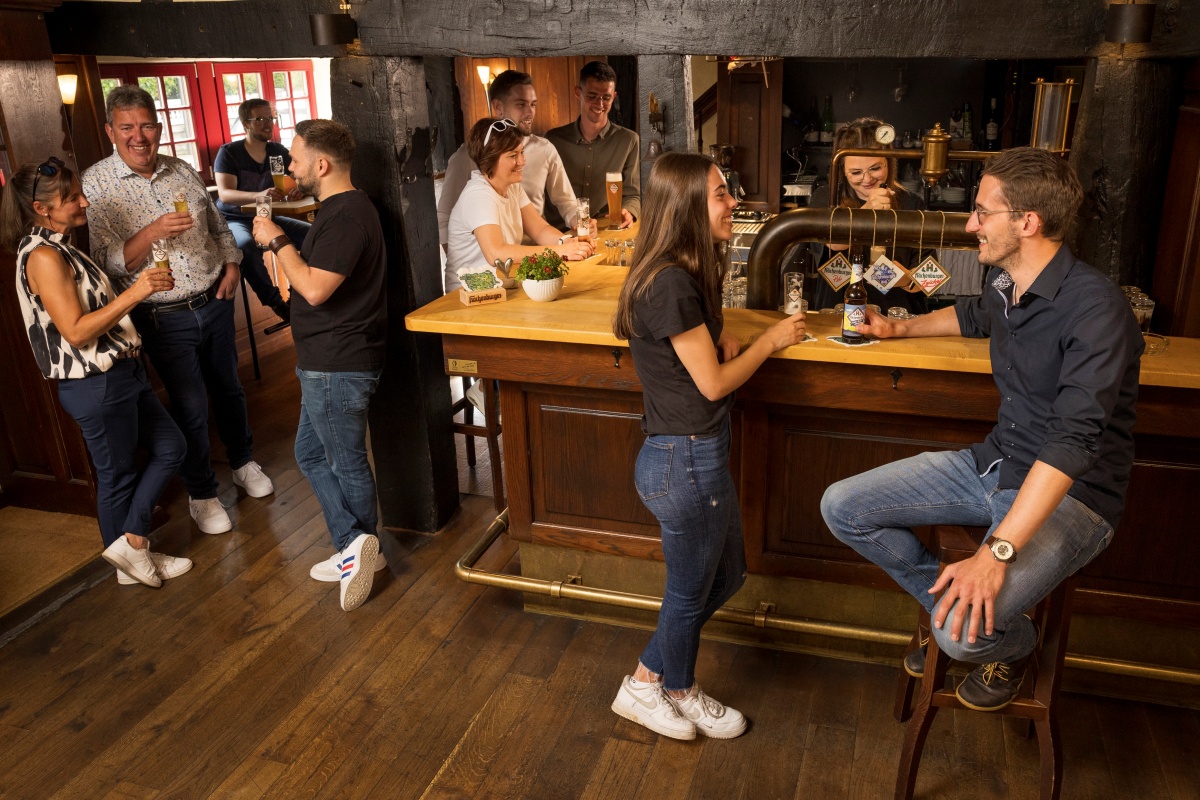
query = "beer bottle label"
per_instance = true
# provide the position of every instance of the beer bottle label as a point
(851, 316)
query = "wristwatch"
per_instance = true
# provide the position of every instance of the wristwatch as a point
(1002, 550)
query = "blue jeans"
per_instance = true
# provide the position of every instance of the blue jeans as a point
(331, 449)
(874, 513)
(685, 483)
(253, 269)
(195, 355)
(118, 413)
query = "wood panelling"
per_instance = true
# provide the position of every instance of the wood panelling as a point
(553, 78)
(1176, 282)
(749, 107)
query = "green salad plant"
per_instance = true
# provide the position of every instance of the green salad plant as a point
(544, 266)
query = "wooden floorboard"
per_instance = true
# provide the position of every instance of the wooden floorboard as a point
(245, 679)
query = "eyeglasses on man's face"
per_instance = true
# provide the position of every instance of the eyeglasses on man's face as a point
(49, 168)
(499, 126)
(261, 120)
(982, 212)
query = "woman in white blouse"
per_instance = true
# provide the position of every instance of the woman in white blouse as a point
(493, 214)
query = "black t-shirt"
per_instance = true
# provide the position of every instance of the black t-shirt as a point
(673, 304)
(348, 332)
(232, 159)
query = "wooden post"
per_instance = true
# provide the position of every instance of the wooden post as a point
(386, 103)
(670, 78)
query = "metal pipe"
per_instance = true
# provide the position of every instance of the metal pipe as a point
(842, 225)
(763, 618)
(927, 169)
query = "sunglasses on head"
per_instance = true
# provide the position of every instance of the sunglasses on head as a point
(49, 168)
(499, 126)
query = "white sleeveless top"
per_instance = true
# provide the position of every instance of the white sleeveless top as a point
(55, 356)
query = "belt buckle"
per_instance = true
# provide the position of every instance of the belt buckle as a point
(197, 302)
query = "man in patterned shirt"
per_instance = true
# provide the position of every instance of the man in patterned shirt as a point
(137, 207)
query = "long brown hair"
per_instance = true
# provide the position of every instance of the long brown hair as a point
(16, 211)
(675, 231)
(861, 133)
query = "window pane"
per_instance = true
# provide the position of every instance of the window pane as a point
(281, 84)
(233, 90)
(177, 91)
(299, 83)
(286, 136)
(108, 84)
(151, 86)
(284, 110)
(250, 79)
(165, 136)
(302, 110)
(188, 153)
(235, 122)
(181, 125)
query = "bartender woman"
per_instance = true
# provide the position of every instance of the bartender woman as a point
(870, 182)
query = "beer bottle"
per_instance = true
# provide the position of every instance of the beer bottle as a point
(854, 303)
(991, 140)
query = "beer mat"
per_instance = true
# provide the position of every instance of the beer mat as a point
(808, 337)
(845, 343)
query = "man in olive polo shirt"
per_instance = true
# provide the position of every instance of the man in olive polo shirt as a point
(592, 145)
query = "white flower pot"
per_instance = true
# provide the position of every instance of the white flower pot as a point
(543, 291)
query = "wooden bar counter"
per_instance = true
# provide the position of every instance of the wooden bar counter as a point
(814, 413)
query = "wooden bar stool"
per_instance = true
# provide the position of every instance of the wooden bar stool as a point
(489, 430)
(1036, 701)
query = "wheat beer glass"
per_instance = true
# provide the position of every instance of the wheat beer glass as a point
(277, 175)
(181, 205)
(262, 208)
(613, 184)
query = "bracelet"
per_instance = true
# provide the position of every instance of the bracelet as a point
(563, 239)
(278, 243)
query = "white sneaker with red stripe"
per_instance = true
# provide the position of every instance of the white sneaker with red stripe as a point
(358, 570)
(330, 570)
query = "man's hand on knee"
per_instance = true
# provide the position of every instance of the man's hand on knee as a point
(972, 584)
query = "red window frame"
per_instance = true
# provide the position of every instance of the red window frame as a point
(173, 118)
(284, 100)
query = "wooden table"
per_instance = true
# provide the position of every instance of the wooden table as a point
(301, 209)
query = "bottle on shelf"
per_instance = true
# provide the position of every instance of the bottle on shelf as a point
(968, 122)
(991, 129)
(854, 302)
(812, 122)
(827, 121)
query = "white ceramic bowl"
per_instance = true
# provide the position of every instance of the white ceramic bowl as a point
(543, 291)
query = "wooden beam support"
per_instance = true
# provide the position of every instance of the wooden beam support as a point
(670, 78)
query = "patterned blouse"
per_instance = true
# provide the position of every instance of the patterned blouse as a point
(55, 356)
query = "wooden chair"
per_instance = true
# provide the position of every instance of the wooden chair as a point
(489, 430)
(1036, 701)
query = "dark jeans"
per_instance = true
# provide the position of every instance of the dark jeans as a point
(331, 449)
(685, 483)
(195, 354)
(118, 413)
(253, 269)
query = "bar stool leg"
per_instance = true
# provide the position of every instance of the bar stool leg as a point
(250, 329)
(906, 684)
(936, 666)
(469, 418)
(491, 418)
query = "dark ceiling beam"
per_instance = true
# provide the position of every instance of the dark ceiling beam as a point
(804, 28)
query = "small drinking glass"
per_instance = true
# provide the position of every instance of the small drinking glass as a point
(1143, 310)
(1155, 344)
(262, 208)
(793, 291)
(584, 207)
(899, 312)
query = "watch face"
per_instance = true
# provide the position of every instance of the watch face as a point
(885, 134)
(1002, 550)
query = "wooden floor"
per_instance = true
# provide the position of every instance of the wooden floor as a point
(244, 679)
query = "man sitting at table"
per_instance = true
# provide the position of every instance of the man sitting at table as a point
(592, 146)
(1049, 481)
(243, 173)
(513, 97)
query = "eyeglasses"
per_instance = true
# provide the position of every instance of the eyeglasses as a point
(499, 126)
(983, 212)
(49, 168)
(261, 120)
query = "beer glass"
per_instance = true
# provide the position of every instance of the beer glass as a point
(277, 175)
(262, 208)
(158, 255)
(793, 292)
(1143, 310)
(583, 227)
(614, 182)
(181, 204)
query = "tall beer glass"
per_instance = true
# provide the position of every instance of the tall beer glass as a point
(277, 173)
(614, 183)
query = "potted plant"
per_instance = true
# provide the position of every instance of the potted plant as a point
(541, 275)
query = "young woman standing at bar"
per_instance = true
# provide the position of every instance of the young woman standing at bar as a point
(82, 336)
(670, 312)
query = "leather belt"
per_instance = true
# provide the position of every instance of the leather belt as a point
(133, 352)
(190, 304)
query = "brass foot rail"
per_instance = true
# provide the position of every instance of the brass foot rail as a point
(764, 617)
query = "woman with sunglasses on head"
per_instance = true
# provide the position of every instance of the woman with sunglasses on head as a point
(670, 312)
(82, 337)
(493, 214)
(870, 183)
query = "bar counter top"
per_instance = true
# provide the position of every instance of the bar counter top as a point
(582, 314)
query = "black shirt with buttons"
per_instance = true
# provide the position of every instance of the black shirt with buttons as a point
(1066, 360)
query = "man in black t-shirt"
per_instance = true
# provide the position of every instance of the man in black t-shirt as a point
(243, 172)
(339, 324)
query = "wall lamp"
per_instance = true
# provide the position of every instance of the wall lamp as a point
(67, 87)
(1051, 109)
(1129, 23)
(485, 75)
(334, 28)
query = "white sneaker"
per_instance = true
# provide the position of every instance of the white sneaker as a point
(475, 395)
(358, 570)
(251, 478)
(210, 515)
(711, 718)
(330, 570)
(166, 567)
(135, 563)
(648, 706)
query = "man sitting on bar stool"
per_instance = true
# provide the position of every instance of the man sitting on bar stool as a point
(1049, 481)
